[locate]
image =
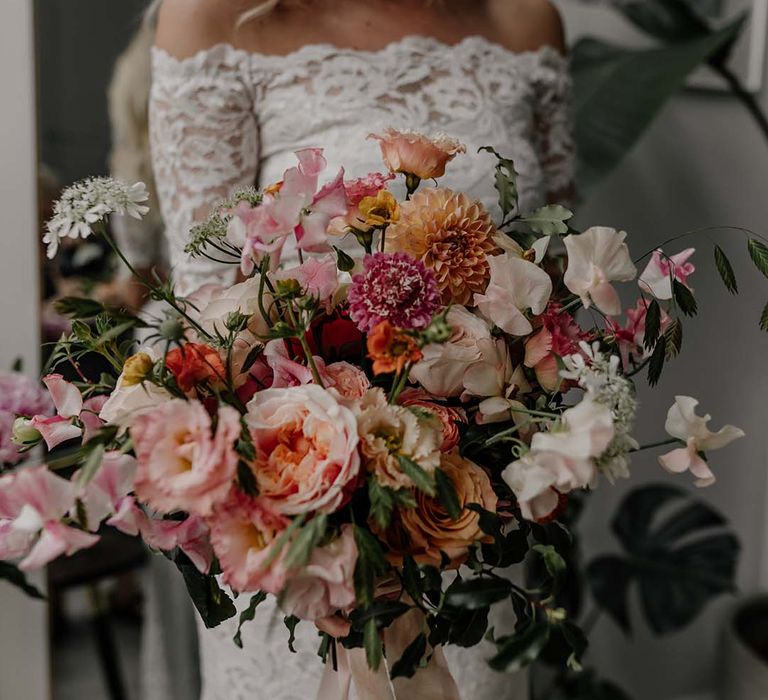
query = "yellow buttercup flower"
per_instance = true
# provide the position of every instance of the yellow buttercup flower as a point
(381, 210)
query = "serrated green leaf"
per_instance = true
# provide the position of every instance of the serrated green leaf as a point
(764, 319)
(446, 494)
(411, 660)
(305, 542)
(416, 473)
(11, 574)
(372, 644)
(548, 220)
(758, 251)
(656, 364)
(684, 298)
(247, 616)
(725, 269)
(673, 339)
(370, 564)
(506, 182)
(652, 324)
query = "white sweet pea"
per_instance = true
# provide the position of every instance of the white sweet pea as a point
(516, 285)
(587, 430)
(596, 258)
(683, 424)
(661, 270)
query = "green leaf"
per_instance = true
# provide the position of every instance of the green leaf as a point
(291, 622)
(344, 262)
(384, 500)
(554, 563)
(305, 542)
(411, 660)
(673, 339)
(476, 593)
(370, 563)
(549, 220)
(446, 494)
(676, 550)
(212, 603)
(469, 627)
(764, 319)
(415, 472)
(521, 649)
(652, 324)
(92, 465)
(372, 644)
(578, 642)
(758, 251)
(506, 182)
(385, 612)
(11, 574)
(619, 92)
(656, 364)
(725, 269)
(684, 298)
(669, 20)
(247, 616)
(412, 579)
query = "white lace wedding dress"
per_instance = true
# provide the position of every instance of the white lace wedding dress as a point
(225, 119)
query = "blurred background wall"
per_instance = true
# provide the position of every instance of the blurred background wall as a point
(24, 643)
(702, 164)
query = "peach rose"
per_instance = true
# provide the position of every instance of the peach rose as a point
(350, 381)
(306, 448)
(415, 154)
(243, 532)
(448, 416)
(182, 464)
(427, 530)
(325, 585)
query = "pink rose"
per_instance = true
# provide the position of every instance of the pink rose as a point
(325, 585)
(350, 381)
(243, 532)
(306, 448)
(413, 153)
(182, 465)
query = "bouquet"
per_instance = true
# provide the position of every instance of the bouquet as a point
(377, 422)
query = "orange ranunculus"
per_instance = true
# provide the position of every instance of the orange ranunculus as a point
(193, 364)
(391, 348)
(427, 530)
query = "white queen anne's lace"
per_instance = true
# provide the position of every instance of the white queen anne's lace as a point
(88, 202)
(600, 376)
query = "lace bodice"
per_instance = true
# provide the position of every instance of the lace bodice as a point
(224, 119)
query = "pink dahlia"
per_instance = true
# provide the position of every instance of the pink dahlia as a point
(393, 287)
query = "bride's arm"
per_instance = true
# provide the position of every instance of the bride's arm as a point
(203, 133)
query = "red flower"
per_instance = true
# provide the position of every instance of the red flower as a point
(391, 349)
(194, 364)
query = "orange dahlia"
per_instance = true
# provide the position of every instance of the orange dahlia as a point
(452, 235)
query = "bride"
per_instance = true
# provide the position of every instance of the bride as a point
(239, 85)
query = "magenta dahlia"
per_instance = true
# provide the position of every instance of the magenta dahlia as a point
(393, 287)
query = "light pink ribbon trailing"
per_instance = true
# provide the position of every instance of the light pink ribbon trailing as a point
(434, 682)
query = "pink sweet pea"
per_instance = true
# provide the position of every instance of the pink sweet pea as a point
(318, 277)
(33, 505)
(69, 406)
(105, 493)
(661, 270)
(297, 207)
(683, 424)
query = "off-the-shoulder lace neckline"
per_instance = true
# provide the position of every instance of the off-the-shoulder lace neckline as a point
(318, 50)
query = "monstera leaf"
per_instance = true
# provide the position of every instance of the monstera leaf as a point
(676, 550)
(618, 93)
(670, 20)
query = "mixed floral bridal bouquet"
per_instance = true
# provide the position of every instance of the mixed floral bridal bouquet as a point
(376, 424)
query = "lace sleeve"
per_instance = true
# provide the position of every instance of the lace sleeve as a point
(554, 126)
(204, 139)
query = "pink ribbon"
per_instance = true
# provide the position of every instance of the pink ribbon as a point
(433, 682)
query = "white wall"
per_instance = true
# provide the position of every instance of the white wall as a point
(24, 666)
(704, 163)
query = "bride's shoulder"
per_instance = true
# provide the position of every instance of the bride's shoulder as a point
(186, 27)
(528, 24)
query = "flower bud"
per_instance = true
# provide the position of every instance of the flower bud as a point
(137, 368)
(24, 434)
